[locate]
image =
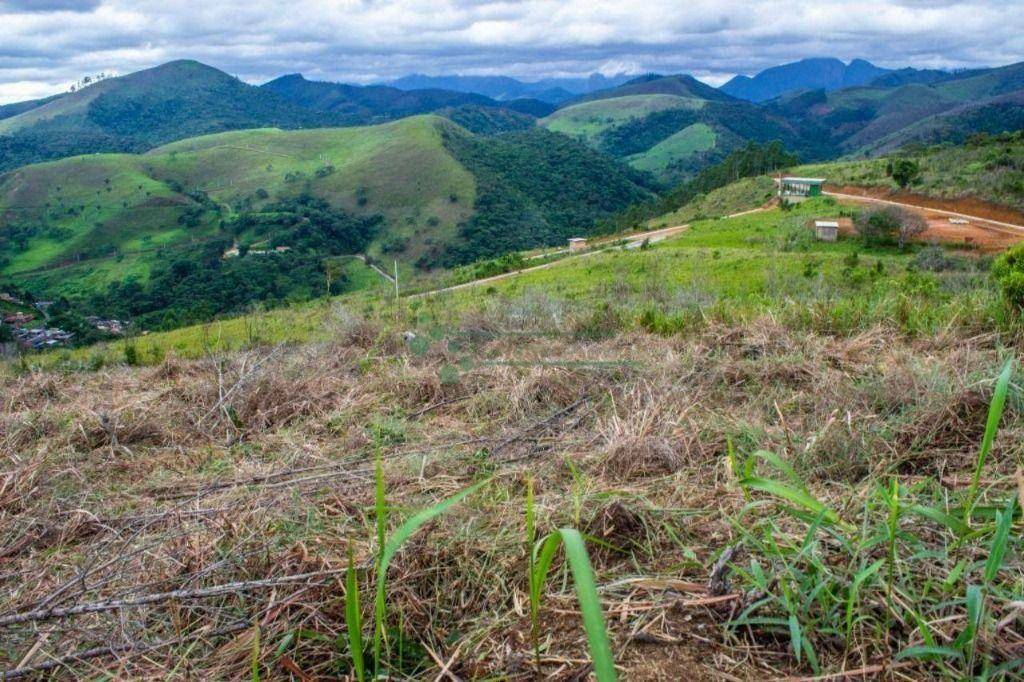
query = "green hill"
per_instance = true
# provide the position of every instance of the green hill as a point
(673, 126)
(144, 109)
(889, 113)
(987, 167)
(434, 193)
(183, 99)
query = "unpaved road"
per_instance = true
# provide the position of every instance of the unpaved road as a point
(632, 242)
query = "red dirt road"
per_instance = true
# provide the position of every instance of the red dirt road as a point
(970, 223)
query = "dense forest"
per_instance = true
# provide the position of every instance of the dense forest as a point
(194, 285)
(535, 187)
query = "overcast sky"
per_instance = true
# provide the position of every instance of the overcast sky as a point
(45, 45)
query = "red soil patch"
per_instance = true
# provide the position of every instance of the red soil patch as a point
(976, 233)
(967, 205)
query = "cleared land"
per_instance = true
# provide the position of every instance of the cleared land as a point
(590, 119)
(219, 496)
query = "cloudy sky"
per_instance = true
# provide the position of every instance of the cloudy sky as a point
(45, 45)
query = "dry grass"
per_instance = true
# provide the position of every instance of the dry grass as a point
(258, 465)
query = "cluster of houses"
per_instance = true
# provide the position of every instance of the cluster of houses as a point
(115, 327)
(39, 338)
(233, 252)
(32, 335)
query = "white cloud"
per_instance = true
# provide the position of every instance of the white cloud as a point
(47, 43)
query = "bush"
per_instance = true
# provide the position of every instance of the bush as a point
(1008, 270)
(889, 225)
(936, 259)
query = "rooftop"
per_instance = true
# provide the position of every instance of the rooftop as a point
(810, 181)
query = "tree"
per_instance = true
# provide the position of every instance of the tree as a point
(905, 172)
(889, 225)
(6, 334)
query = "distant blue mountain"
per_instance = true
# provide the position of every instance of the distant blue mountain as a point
(807, 74)
(552, 90)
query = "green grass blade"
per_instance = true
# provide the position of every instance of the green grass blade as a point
(354, 619)
(590, 604)
(394, 543)
(995, 413)
(955, 525)
(858, 581)
(793, 495)
(541, 564)
(928, 652)
(782, 465)
(380, 497)
(795, 636)
(999, 542)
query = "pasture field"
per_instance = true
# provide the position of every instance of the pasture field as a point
(590, 119)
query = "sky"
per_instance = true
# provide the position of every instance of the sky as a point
(46, 45)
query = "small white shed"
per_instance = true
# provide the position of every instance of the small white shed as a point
(826, 230)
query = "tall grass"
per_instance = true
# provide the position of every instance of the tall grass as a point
(354, 619)
(995, 413)
(391, 547)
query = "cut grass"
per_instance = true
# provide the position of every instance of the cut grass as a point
(259, 464)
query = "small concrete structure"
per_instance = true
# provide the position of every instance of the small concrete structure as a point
(826, 230)
(794, 190)
(577, 244)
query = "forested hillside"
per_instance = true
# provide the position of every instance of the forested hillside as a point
(184, 99)
(127, 232)
(673, 127)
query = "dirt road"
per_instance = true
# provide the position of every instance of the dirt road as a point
(632, 242)
(972, 231)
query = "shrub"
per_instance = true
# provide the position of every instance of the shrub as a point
(936, 259)
(889, 225)
(905, 172)
(1008, 270)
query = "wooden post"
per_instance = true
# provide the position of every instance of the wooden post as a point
(396, 280)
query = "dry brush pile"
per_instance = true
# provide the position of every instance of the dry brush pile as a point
(194, 519)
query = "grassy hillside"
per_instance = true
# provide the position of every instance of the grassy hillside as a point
(435, 193)
(671, 126)
(144, 109)
(987, 167)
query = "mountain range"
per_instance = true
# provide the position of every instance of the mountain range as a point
(502, 88)
(185, 98)
(807, 74)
